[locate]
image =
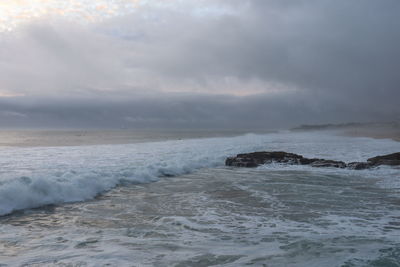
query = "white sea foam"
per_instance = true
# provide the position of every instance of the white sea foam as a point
(32, 177)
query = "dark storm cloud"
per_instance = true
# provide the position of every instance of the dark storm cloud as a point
(308, 61)
(175, 111)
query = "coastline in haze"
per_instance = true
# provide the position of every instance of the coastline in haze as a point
(173, 202)
(128, 132)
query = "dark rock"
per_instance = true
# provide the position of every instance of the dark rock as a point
(251, 160)
(391, 159)
(328, 163)
(306, 161)
(359, 165)
(255, 159)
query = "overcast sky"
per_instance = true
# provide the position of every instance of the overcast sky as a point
(199, 63)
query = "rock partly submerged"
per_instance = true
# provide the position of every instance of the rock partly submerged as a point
(255, 159)
(259, 158)
(359, 165)
(391, 159)
(321, 163)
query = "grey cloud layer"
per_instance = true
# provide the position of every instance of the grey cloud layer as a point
(330, 60)
(169, 111)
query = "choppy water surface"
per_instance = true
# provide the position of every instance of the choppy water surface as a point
(270, 216)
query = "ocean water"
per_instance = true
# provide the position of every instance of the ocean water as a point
(174, 203)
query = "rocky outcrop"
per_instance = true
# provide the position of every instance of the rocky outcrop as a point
(255, 159)
(320, 163)
(391, 159)
(250, 160)
(359, 165)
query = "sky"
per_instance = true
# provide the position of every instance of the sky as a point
(231, 64)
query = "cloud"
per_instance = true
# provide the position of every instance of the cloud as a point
(250, 63)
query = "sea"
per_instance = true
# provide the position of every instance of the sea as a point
(127, 198)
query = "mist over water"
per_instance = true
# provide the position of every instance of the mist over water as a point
(203, 64)
(147, 193)
(134, 213)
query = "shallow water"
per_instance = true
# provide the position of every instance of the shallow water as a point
(274, 215)
(216, 216)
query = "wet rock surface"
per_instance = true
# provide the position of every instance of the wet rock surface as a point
(359, 165)
(259, 158)
(328, 163)
(251, 160)
(390, 159)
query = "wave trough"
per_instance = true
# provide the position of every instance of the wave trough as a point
(33, 177)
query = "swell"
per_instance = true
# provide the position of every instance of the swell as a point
(33, 177)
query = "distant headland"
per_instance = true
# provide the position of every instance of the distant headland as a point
(390, 130)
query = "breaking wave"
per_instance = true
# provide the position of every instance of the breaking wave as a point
(33, 177)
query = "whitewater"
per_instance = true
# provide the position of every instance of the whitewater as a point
(173, 203)
(32, 177)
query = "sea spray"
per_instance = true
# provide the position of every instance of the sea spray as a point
(33, 177)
